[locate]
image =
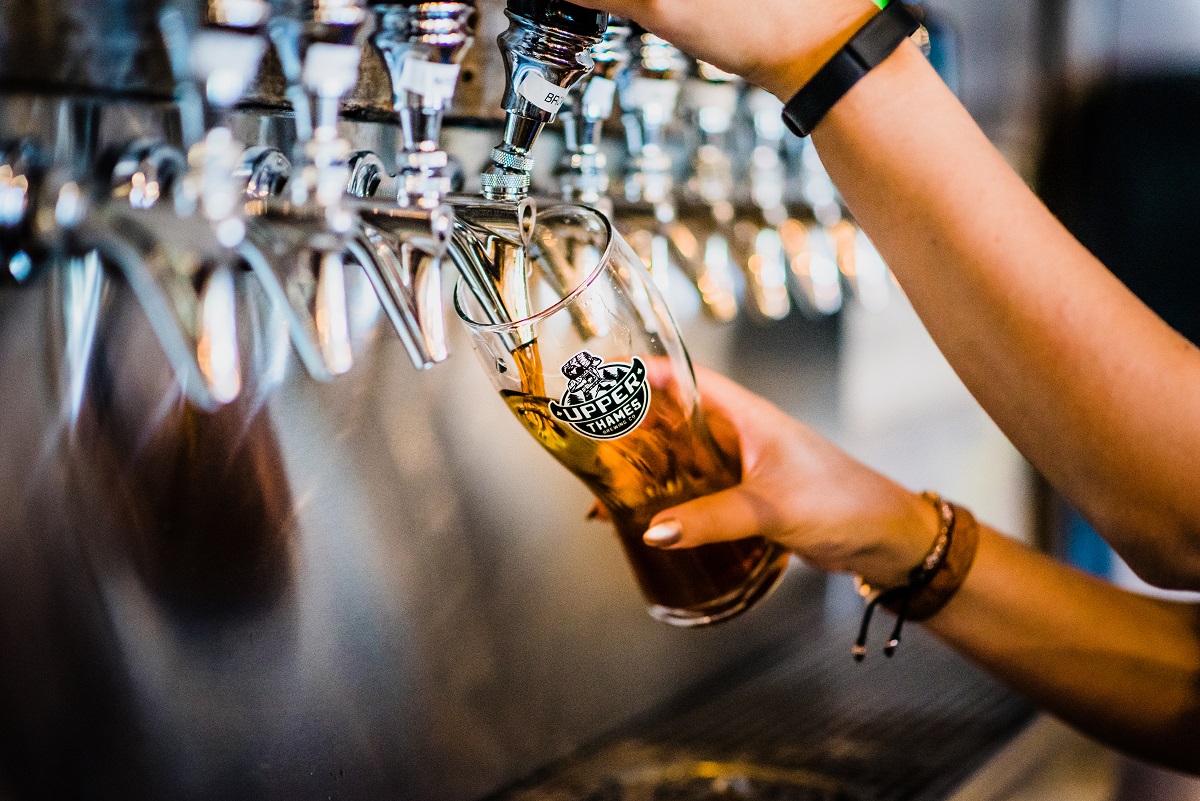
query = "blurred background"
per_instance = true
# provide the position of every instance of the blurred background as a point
(363, 580)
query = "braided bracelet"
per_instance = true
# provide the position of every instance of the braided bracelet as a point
(932, 583)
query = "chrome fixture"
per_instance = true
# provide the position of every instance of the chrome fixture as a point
(401, 247)
(546, 49)
(298, 218)
(583, 171)
(803, 249)
(649, 217)
(729, 244)
(423, 45)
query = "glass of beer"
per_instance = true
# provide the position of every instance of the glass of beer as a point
(594, 368)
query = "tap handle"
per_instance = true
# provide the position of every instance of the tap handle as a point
(561, 15)
(423, 45)
(546, 50)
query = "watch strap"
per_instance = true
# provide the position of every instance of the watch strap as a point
(870, 45)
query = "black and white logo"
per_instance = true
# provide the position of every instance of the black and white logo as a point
(603, 401)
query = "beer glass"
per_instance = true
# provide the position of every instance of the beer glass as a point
(594, 368)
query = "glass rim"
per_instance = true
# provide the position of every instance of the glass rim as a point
(562, 302)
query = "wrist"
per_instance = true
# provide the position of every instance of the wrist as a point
(838, 22)
(931, 583)
(910, 529)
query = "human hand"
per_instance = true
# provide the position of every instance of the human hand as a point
(776, 44)
(801, 491)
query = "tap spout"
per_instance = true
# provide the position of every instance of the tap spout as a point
(546, 50)
(423, 45)
(402, 251)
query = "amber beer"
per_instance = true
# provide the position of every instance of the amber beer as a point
(668, 459)
(595, 369)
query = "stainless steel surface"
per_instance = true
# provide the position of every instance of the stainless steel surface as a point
(370, 587)
(804, 724)
(315, 588)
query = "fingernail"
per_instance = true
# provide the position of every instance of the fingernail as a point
(663, 534)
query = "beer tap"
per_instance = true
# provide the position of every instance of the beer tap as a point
(26, 247)
(22, 170)
(857, 259)
(401, 249)
(225, 55)
(423, 45)
(546, 49)
(583, 170)
(807, 249)
(179, 256)
(713, 96)
(302, 235)
(649, 97)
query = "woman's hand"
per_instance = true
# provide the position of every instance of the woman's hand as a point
(801, 491)
(776, 44)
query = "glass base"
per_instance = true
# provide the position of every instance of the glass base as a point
(758, 585)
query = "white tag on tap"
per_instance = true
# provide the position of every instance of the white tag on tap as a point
(541, 93)
(330, 69)
(599, 95)
(642, 94)
(434, 82)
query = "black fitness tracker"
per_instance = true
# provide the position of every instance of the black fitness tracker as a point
(874, 42)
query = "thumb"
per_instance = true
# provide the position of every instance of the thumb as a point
(731, 514)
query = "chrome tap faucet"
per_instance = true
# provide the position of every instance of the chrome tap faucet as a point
(22, 169)
(401, 244)
(299, 219)
(649, 99)
(583, 171)
(175, 226)
(808, 248)
(546, 50)
(649, 96)
(713, 96)
(423, 45)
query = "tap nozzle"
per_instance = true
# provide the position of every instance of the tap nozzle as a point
(225, 52)
(584, 169)
(546, 50)
(649, 98)
(423, 45)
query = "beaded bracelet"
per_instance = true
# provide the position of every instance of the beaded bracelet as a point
(932, 583)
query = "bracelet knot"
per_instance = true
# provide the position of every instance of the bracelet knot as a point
(934, 580)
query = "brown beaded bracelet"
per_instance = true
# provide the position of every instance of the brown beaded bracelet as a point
(932, 583)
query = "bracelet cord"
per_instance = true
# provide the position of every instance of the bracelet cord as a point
(932, 583)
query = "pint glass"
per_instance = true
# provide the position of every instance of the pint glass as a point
(595, 370)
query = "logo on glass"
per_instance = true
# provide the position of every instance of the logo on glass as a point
(603, 401)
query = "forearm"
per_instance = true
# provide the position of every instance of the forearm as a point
(1121, 667)
(1088, 383)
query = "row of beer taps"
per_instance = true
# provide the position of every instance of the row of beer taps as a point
(181, 221)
